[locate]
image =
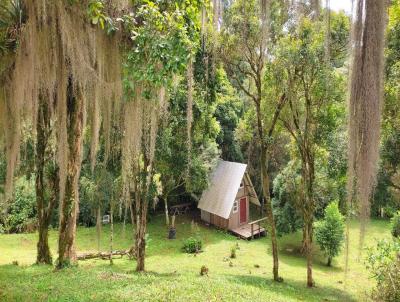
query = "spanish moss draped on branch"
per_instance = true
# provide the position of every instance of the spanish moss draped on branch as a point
(59, 32)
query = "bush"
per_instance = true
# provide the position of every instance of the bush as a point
(383, 262)
(329, 232)
(21, 216)
(395, 225)
(192, 245)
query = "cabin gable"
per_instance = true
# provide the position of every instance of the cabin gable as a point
(225, 203)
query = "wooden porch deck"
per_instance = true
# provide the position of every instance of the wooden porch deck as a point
(246, 232)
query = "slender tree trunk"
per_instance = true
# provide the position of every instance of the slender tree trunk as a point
(132, 208)
(308, 229)
(125, 217)
(45, 204)
(166, 210)
(265, 189)
(98, 226)
(69, 207)
(308, 208)
(142, 202)
(268, 208)
(329, 261)
(111, 229)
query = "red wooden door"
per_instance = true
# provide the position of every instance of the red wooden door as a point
(243, 210)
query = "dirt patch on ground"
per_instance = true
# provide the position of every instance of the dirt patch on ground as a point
(26, 242)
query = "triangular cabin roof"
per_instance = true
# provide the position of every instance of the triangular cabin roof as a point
(225, 181)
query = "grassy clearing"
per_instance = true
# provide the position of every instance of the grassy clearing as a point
(174, 276)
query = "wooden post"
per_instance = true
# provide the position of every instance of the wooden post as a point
(252, 234)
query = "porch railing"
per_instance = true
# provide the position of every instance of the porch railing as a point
(256, 223)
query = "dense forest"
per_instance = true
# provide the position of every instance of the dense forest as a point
(114, 112)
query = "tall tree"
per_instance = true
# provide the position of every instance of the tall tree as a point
(313, 88)
(47, 182)
(67, 70)
(162, 43)
(244, 54)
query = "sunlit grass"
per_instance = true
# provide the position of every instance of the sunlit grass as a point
(174, 276)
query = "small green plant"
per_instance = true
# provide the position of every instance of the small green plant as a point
(395, 225)
(383, 262)
(233, 252)
(329, 232)
(192, 245)
(237, 246)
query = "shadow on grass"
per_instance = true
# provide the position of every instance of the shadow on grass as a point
(293, 289)
(290, 252)
(160, 244)
(291, 255)
(22, 282)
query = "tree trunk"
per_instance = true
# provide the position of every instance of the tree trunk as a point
(308, 230)
(98, 226)
(268, 208)
(304, 241)
(329, 261)
(316, 9)
(125, 217)
(140, 242)
(70, 202)
(111, 229)
(265, 189)
(166, 210)
(45, 204)
(309, 209)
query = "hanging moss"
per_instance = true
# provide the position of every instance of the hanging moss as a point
(56, 44)
(61, 55)
(365, 102)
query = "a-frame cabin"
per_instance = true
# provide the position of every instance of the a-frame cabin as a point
(226, 202)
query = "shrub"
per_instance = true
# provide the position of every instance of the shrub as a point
(395, 225)
(22, 212)
(329, 232)
(192, 245)
(383, 262)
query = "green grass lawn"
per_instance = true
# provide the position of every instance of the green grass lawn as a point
(174, 276)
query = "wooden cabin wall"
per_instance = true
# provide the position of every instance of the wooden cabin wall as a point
(219, 221)
(234, 218)
(205, 216)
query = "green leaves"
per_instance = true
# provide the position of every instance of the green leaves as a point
(12, 18)
(395, 225)
(97, 16)
(329, 232)
(161, 44)
(384, 265)
(163, 36)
